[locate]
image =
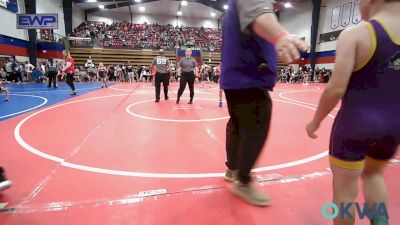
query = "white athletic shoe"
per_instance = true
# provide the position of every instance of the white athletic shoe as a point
(5, 185)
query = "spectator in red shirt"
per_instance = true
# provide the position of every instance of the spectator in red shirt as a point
(68, 70)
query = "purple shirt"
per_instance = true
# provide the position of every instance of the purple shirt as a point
(248, 61)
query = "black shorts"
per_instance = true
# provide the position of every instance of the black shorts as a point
(102, 74)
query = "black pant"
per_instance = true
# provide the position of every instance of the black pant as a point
(20, 76)
(15, 76)
(70, 81)
(52, 78)
(247, 128)
(186, 77)
(12, 77)
(164, 78)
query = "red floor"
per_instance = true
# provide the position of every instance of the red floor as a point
(95, 159)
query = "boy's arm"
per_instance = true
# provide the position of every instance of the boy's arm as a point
(337, 86)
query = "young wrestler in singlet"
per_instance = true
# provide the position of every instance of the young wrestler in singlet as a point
(366, 131)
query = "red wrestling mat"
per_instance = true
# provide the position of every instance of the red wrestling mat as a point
(113, 156)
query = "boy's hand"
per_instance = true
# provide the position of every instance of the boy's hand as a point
(311, 128)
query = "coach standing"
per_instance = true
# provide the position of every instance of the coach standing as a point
(252, 39)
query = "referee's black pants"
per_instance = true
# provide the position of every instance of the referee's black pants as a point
(161, 78)
(187, 77)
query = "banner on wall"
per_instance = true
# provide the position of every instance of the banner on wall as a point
(356, 12)
(346, 14)
(11, 5)
(335, 18)
(331, 36)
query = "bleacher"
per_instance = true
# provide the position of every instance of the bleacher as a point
(126, 40)
(135, 56)
(117, 56)
(212, 58)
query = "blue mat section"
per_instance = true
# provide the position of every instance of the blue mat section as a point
(28, 97)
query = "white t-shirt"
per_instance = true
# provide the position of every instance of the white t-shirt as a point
(29, 67)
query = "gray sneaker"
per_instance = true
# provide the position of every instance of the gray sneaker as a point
(380, 220)
(231, 175)
(251, 194)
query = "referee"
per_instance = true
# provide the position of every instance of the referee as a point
(162, 74)
(188, 68)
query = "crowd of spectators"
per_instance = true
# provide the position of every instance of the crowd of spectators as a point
(303, 74)
(151, 36)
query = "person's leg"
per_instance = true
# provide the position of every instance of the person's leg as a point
(252, 108)
(55, 80)
(101, 81)
(182, 86)
(50, 79)
(158, 86)
(374, 188)
(20, 77)
(70, 82)
(220, 97)
(208, 81)
(3, 89)
(232, 138)
(345, 190)
(15, 77)
(191, 87)
(166, 84)
(254, 114)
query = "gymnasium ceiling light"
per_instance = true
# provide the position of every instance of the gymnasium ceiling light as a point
(142, 9)
(138, 0)
(226, 7)
(179, 13)
(184, 3)
(213, 14)
(91, 0)
(288, 5)
(101, 6)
